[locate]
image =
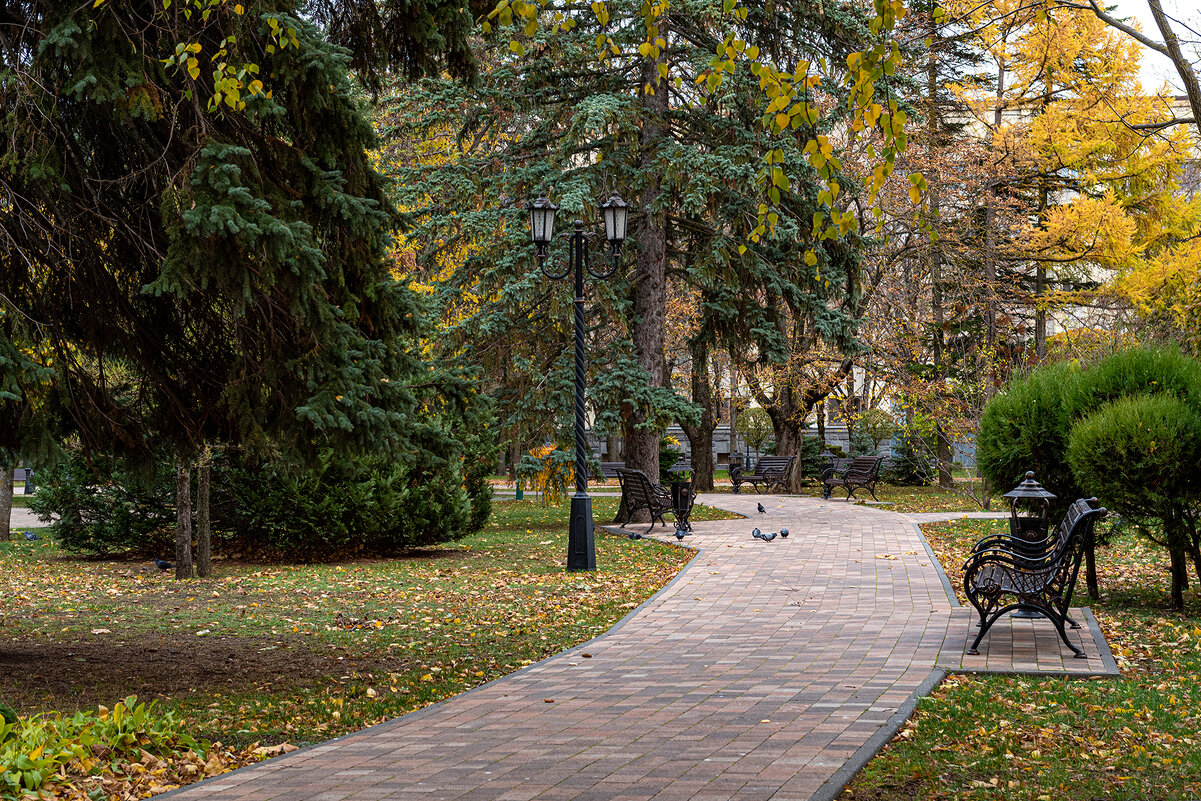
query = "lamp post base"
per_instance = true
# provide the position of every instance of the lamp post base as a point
(581, 552)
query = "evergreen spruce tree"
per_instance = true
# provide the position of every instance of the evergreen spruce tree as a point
(194, 237)
(689, 160)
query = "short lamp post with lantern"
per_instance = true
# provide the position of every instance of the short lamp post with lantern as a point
(1032, 522)
(581, 552)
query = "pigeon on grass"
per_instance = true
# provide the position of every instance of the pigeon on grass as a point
(32, 537)
(163, 564)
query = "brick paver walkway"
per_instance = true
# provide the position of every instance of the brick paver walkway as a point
(765, 670)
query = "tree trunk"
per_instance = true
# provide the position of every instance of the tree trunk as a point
(945, 478)
(649, 301)
(1194, 551)
(6, 501)
(204, 556)
(183, 521)
(821, 422)
(514, 458)
(612, 452)
(733, 416)
(700, 436)
(1040, 273)
(1179, 578)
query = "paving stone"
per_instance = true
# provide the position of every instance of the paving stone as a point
(758, 673)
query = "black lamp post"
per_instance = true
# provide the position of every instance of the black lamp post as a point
(581, 553)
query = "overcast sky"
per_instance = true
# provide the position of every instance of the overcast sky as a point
(1156, 68)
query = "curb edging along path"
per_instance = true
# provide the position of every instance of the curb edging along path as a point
(764, 670)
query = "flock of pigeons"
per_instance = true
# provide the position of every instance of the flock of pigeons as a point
(681, 533)
(770, 535)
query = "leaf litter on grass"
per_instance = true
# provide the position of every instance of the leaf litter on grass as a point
(1137, 736)
(268, 653)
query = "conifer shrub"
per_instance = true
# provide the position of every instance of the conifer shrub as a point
(103, 506)
(1137, 371)
(1140, 454)
(1126, 430)
(1026, 428)
(338, 505)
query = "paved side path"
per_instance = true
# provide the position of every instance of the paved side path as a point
(757, 674)
(23, 518)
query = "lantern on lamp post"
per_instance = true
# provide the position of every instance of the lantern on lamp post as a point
(581, 551)
(1031, 521)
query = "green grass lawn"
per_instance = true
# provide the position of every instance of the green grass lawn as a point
(1036, 739)
(302, 653)
(904, 498)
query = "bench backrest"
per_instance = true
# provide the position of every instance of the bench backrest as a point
(773, 463)
(1063, 564)
(866, 466)
(636, 485)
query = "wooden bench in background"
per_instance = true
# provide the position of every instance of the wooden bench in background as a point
(638, 492)
(862, 472)
(771, 471)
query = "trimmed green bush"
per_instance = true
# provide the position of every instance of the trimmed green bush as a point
(1127, 420)
(1026, 428)
(1138, 371)
(1140, 455)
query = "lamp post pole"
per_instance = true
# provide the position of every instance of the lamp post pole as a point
(581, 550)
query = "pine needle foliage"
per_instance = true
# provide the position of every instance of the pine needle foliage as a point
(553, 116)
(195, 239)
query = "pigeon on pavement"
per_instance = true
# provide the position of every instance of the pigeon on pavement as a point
(769, 536)
(756, 533)
(784, 533)
(762, 511)
(163, 564)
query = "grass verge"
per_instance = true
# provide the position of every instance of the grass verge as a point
(1036, 739)
(904, 498)
(303, 653)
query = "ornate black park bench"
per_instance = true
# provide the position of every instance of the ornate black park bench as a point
(638, 492)
(1006, 573)
(862, 473)
(771, 471)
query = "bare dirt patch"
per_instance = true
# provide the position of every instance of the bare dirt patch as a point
(79, 673)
